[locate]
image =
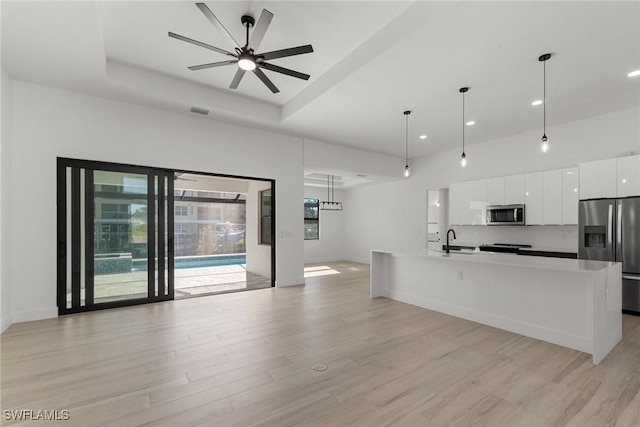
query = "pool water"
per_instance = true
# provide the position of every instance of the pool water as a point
(191, 263)
(197, 261)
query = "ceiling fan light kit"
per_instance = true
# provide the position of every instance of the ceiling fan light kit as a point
(245, 56)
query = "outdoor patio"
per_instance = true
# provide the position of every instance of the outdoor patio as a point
(189, 282)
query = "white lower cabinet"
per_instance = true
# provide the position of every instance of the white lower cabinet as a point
(552, 197)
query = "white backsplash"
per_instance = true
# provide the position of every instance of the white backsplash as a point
(547, 236)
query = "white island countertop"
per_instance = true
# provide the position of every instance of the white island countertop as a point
(547, 263)
(571, 302)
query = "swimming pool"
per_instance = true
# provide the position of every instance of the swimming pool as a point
(197, 261)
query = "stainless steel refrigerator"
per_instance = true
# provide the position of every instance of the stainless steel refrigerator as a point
(609, 230)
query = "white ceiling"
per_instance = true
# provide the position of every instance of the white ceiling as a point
(371, 61)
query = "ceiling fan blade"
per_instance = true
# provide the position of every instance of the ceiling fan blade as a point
(212, 65)
(216, 23)
(287, 52)
(266, 80)
(260, 29)
(197, 43)
(236, 79)
(283, 70)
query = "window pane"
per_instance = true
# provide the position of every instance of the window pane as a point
(265, 217)
(311, 229)
(311, 208)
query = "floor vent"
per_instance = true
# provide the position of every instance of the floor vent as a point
(199, 111)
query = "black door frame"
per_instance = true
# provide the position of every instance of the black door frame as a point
(152, 172)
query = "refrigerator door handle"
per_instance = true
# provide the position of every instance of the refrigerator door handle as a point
(629, 277)
(619, 233)
(610, 231)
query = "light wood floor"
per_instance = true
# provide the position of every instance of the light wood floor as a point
(245, 358)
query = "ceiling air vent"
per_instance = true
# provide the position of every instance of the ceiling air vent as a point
(199, 111)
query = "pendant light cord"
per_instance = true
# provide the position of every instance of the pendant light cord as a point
(462, 122)
(544, 97)
(406, 139)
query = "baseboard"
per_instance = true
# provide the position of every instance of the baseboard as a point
(281, 283)
(5, 322)
(356, 259)
(316, 260)
(31, 315)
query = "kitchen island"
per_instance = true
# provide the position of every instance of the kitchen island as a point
(569, 302)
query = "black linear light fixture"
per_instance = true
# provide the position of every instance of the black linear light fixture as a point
(545, 141)
(330, 204)
(407, 170)
(463, 158)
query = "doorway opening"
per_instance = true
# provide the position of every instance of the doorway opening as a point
(219, 233)
(134, 234)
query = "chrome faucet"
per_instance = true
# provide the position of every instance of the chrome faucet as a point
(451, 230)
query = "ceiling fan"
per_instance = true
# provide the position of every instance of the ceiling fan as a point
(246, 56)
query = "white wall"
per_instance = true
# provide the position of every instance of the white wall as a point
(318, 154)
(258, 256)
(5, 213)
(49, 122)
(391, 216)
(330, 246)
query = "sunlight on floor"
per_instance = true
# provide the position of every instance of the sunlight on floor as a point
(321, 270)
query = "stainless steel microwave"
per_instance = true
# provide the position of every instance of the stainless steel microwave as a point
(505, 215)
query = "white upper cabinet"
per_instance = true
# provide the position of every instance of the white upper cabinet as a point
(552, 197)
(570, 196)
(628, 176)
(533, 198)
(466, 203)
(479, 203)
(454, 204)
(495, 191)
(514, 190)
(598, 179)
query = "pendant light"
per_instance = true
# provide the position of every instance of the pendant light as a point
(407, 170)
(463, 158)
(544, 140)
(330, 204)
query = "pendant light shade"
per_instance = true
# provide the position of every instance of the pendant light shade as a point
(463, 158)
(407, 170)
(544, 140)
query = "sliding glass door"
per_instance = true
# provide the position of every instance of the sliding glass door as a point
(115, 235)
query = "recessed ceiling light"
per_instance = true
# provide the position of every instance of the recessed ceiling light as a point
(536, 102)
(423, 136)
(634, 73)
(471, 123)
